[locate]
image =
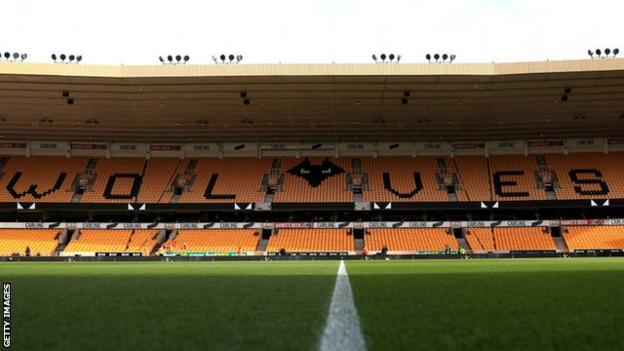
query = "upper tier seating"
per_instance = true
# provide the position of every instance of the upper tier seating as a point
(594, 237)
(159, 174)
(392, 179)
(42, 242)
(229, 180)
(475, 184)
(116, 180)
(591, 169)
(313, 179)
(410, 239)
(311, 240)
(40, 178)
(515, 169)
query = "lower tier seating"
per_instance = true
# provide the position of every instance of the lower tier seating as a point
(115, 240)
(509, 239)
(410, 239)
(214, 241)
(594, 237)
(99, 240)
(44, 242)
(40, 242)
(311, 240)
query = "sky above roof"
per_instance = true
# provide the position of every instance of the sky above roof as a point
(276, 31)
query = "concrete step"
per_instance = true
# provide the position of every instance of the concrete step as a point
(359, 244)
(560, 244)
(262, 245)
(463, 243)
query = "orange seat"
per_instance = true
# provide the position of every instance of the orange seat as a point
(311, 240)
(410, 239)
(594, 237)
(42, 242)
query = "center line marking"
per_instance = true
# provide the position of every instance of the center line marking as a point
(342, 329)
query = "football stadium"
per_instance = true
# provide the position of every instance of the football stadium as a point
(287, 206)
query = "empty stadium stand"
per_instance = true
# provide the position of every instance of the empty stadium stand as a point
(594, 237)
(588, 175)
(213, 240)
(410, 239)
(514, 179)
(402, 240)
(246, 180)
(315, 179)
(116, 240)
(227, 180)
(41, 242)
(40, 178)
(475, 184)
(399, 179)
(311, 240)
(509, 239)
(143, 241)
(117, 180)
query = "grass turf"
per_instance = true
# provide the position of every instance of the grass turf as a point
(535, 304)
(477, 304)
(175, 306)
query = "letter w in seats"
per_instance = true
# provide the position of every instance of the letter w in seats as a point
(32, 189)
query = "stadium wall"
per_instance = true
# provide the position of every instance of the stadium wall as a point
(244, 149)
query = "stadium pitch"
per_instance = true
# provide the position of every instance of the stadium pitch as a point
(403, 304)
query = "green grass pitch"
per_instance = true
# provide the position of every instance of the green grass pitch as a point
(450, 305)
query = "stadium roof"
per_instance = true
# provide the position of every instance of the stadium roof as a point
(320, 102)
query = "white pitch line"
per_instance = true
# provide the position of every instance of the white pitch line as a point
(342, 329)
